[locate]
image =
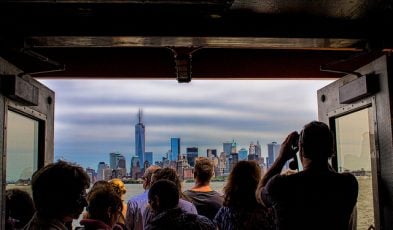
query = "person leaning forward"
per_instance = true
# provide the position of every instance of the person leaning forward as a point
(315, 198)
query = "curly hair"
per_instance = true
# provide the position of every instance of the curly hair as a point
(118, 186)
(239, 192)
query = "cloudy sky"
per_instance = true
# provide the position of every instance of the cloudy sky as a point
(96, 117)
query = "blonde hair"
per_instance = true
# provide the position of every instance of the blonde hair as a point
(118, 186)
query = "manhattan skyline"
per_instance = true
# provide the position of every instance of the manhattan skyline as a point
(96, 117)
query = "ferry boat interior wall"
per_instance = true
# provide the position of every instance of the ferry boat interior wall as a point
(187, 40)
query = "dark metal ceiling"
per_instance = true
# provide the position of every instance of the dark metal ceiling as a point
(59, 29)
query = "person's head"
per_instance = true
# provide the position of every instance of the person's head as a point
(19, 208)
(99, 184)
(59, 191)
(104, 204)
(118, 186)
(316, 142)
(168, 174)
(147, 176)
(203, 170)
(241, 185)
(163, 195)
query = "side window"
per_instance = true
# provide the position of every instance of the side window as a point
(355, 146)
(22, 150)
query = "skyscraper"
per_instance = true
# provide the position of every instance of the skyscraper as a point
(192, 153)
(149, 157)
(175, 149)
(227, 146)
(243, 154)
(233, 147)
(258, 150)
(100, 170)
(210, 153)
(140, 139)
(114, 159)
(272, 151)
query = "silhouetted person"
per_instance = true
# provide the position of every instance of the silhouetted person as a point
(317, 197)
(171, 175)
(103, 210)
(101, 184)
(137, 204)
(164, 199)
(206, 200)
(241, 209)
(59, 194)
(19, 208)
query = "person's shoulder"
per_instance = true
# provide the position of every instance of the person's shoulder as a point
(184, 202)
(282, 179)
(205, 223)
(349, 180)
(138, 198)
(190, 193)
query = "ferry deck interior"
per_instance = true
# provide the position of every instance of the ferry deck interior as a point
(187, 40)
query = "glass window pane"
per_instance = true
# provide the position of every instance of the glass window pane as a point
(22, 150)
(354, 148)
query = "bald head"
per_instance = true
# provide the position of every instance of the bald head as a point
(147, 175)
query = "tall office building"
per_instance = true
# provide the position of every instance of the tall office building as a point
(135, 171)
(233, 147)
(258, 150)
(175, 149)
(114, 159)
(92, 174)
(101, 170)
(140, 139)
(243, 154)
(210, 153)
(251, 149)
(149, 157)
(233, 160)
(227, 146)
(272, 152)
(192, 153)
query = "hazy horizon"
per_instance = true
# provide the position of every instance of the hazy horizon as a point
(96, 117)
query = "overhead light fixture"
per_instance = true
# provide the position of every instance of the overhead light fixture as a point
(183, 60)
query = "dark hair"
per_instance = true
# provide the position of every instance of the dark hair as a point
(168, 174)
(239, 192)
(101, 199)
(167, 192)
(19, 207)
(317, 141)
(58, 189)
(99, 184)
(203, 169)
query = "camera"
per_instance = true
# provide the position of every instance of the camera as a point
(295, 143)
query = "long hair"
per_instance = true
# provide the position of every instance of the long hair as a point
(242, 182)
(101, 200)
